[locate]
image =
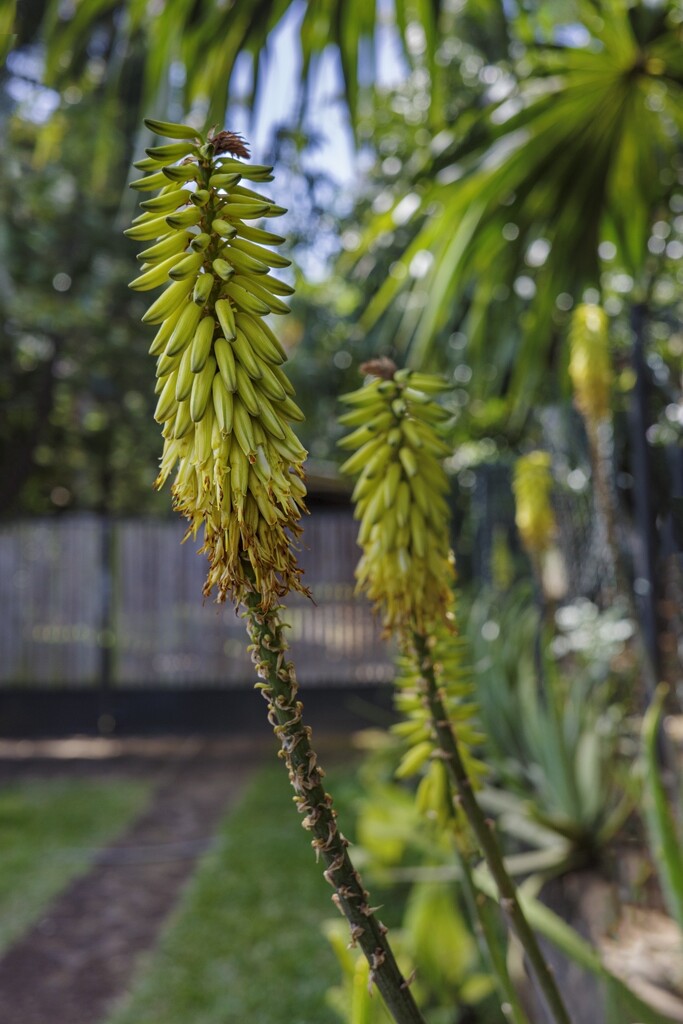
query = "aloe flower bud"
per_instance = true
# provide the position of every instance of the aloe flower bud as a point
(532, 486)
(407, 567)
(589, 362)
(448, 656)
(225, 404)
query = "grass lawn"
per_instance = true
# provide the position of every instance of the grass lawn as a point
(245, 943)
(48, 829)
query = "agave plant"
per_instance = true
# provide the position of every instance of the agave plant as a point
(663, 811)
(225, 405)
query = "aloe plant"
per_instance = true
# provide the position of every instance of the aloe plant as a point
(226, 405)
(408, 570)
(553, 751)
(666, 837)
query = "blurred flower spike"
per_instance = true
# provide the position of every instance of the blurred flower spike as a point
(224, 401)
(407, 566)
(590, 368)
(532, 485)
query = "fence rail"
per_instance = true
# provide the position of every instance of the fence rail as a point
(85, 600)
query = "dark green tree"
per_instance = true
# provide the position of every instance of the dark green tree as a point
(73, 363)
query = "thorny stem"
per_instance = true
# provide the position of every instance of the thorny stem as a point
(279, 687)
(449, 751)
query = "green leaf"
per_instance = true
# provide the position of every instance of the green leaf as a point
(580, 952)
(590, 154)
(7, 34)
(665, 842)
(361, 999)
(441, 289)
(414, 758)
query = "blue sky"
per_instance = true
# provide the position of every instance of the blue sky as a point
(326, 115)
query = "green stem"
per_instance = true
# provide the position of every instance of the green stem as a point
(599, 449)
(450, 752)
(488, 927)
(279, 687)
(599, 452)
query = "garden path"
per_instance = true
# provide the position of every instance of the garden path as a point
(79, 958)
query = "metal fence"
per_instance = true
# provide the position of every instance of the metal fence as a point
(86, 600)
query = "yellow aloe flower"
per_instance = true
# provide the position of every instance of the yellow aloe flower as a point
(590, 368)
(448, 655)
(224, 401)
(407, 567)
(532, 486)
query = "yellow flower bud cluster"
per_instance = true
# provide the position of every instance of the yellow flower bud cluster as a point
(453, 677)
(225, 402)
(406, 568)
(532, 486)
(590, 368)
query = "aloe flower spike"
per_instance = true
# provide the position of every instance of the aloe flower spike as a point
(407, 568)
(225, 406)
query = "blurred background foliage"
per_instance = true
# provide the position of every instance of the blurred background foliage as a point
(511, 160)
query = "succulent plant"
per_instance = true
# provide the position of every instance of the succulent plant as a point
(225, 402)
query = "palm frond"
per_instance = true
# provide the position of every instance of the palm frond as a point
(588, 153)
(206, 39)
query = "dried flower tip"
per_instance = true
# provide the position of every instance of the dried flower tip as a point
(230, 142)
(381, 367)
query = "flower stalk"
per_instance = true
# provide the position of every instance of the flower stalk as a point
(448, 750)
(279, 687)
(591, 374)
(226, 405)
